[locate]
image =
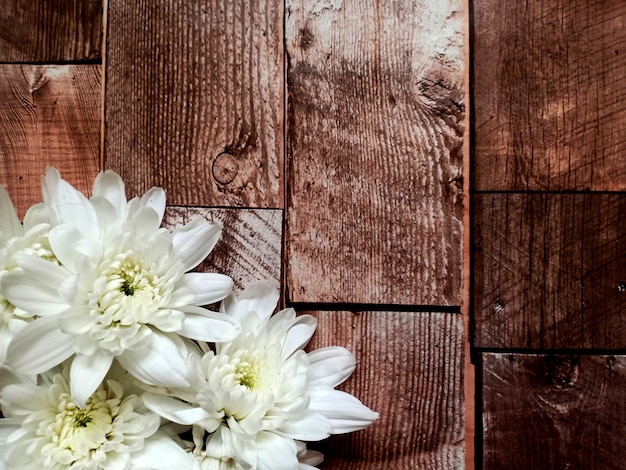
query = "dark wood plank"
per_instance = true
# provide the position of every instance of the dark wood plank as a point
(194, 99)
(410, 370)
(250, 247)
(549, 94)
(49, 115)
(375, 132)
(547, 412)
(50, 30)
(549, 270)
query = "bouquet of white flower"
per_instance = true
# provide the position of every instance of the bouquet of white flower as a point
(110, 360)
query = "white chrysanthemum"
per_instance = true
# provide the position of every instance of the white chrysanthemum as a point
(44, 428)
(257, 395)
(118, 289)
(15, 238)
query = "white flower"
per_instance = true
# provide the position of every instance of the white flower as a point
(118, 289)
(259, 394)
(15, 238)
(44, 428)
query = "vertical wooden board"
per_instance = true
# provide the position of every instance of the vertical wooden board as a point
(49, 115)
(50, 30)
(250, 247)
(549, 270)
(410, 370)
(194, 99)
(374, 169)
(544, 411)
(549, 91)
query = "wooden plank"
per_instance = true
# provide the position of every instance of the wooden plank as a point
(50, 30)
(544, 411)
(410, 370)
(49, 115)
(549, 93)
(193, 99)
(549, 270)
(250, 247)
(375, 133)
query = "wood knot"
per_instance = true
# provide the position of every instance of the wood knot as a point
(225, 168)
(562, 371)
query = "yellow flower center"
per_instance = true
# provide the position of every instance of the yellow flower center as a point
(247, 373)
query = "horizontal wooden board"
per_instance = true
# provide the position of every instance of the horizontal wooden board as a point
(194, 99)
(410, 370)
(548, 412)
(549, 81)
(549, 270)
(250, 247)
(49, 115)
(374, 169)
(50, 30)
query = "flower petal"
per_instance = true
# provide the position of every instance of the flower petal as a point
(163, 361)
(39, 347)
(21, 398)
(49, 183)
(260, 297)
(26, 293)
(155, 198)
(205, 325)
(175, 410)
(110, 186)
(194, 241)
(74, 208)
(9, 223)
(207, 287)
(275, 452)
(345, 412)
(161, 452)
(87, 373)
(328, 367)
(308, 427)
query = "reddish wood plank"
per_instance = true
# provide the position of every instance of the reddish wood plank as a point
(549, 93)
(375, 132)
(193, 99)
(549, 270)
(251, 242)
(543, 412)
(410, 370)
(50, 30)
(49, 115)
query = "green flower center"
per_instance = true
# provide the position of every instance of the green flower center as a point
(247, 373)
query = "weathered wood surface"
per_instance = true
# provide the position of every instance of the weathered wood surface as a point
(549, 270)
(553, 412)
(194, 99)
(549, 94)
(251, 243)
(49, 115)
(50, 30)
(374, 157)
(410, 370)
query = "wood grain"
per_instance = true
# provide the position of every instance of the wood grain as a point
(374, 169)
(194, 99)
(410, 370)
(549, 270)
(549, 92)
(545, 411)
(49, 115)
(50, 30)
(250, 247)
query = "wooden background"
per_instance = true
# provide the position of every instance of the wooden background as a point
(331, 139)
(548, 197)
(327, 136)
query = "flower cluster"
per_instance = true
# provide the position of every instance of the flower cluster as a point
(110, 358)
